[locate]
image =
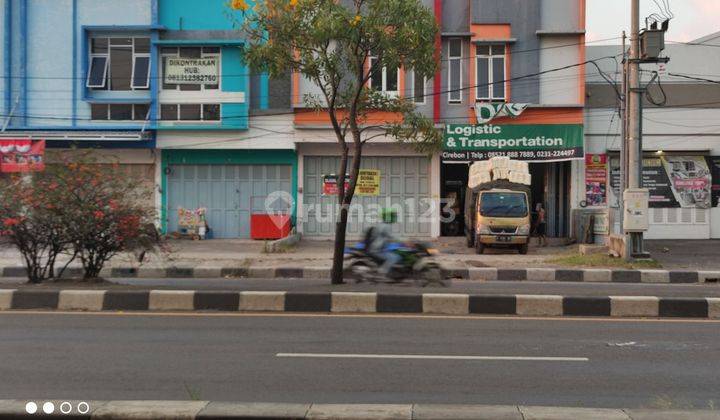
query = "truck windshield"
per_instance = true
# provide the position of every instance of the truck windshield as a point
(503, 204)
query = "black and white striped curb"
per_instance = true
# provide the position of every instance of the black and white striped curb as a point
(487, 274)
(196, 410)
(359, 302)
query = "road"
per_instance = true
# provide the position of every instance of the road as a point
(360, 359)
(455, 286)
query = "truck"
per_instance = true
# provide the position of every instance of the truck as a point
(497, 214)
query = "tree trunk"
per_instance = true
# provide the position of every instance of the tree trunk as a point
(339, 252)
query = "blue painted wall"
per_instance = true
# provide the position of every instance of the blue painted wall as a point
(211, 23)
(45, 65)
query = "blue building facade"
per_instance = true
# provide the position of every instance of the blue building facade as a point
(156, 85)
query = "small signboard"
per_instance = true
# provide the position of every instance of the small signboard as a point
(368, 183)
(191, 71)
(22, 155)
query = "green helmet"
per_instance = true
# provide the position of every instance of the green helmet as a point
(389, 215)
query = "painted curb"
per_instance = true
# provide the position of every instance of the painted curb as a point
(360, 302)
(196, 410)
(472, 273)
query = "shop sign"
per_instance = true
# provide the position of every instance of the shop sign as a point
(22, 155)
(595, 179)
(673, 181)
(368, 183)
(487, 111)
(191, 71)
(714, 166)
(530, 142)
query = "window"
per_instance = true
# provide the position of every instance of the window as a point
(190, 112)
(119, 112)
(382, 79)
(188, 52)
(119, 63)
(455, 70)
(490, 70)
(418, 88)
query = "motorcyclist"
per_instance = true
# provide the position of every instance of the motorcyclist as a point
(380, 237)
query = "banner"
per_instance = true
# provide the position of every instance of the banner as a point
(714, 166)
(530, 142)
(22, 155)
(191, 71)
(595, 179)
(368, 183)
(673, 181)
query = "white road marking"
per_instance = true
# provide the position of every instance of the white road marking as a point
(432, 357)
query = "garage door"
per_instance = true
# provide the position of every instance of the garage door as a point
(404, 183)
(230, 193)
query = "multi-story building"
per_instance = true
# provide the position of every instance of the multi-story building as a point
(77, 73)
(224, 143)
(493, 53)
(681, 141)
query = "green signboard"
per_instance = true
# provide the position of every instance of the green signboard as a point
(532, 142)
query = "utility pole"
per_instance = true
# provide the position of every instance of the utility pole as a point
(623, 134)
(634, 244)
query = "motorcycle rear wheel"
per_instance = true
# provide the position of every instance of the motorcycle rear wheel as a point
(430, 275)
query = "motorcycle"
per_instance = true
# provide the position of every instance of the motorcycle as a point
(362, 266)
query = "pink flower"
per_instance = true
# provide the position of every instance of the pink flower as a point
(99, 214)
(11, 222)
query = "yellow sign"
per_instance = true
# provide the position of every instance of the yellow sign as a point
(368, 183)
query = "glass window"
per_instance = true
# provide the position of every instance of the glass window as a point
(141, 73)
(97, 75)
(455, 70)
(496, 204)
(168, 112)
(190, 52)
(382, 78)
(418, 89)
(490, 72)
(142, 45)
(140, 112)
(211, 112)
(119, 63)
(121, 112)
(99, 111)
(190, 112)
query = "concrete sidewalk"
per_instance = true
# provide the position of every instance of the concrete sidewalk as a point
(191, 410)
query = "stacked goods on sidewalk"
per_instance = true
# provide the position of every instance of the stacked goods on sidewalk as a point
(497, 205)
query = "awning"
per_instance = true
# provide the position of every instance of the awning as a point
(129, 136)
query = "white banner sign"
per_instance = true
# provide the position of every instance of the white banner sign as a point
(191, 71)
(487, 111)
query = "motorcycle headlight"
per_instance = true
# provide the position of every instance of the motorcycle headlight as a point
(484, 230)
(524, 230)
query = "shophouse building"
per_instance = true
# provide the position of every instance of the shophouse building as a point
(681, 141)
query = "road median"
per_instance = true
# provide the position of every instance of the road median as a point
(539, 305)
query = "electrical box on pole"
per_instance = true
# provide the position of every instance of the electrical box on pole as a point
(636, 202)
(652, 43)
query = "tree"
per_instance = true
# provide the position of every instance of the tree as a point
(78, 207)
(339, 45)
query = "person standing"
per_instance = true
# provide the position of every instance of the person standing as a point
(541, 226)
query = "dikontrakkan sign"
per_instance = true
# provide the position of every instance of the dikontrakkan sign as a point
(530, 142)
(191, 71)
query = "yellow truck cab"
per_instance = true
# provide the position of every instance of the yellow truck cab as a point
(498, 215)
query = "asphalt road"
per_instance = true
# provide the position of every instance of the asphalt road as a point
(632, 364)
(455, 286)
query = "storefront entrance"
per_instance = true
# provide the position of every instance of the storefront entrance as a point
(550, 186)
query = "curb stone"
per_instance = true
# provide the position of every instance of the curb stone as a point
(461, 273)
(360, 302)
(156, 410)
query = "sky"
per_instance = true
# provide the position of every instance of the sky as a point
(693, 19)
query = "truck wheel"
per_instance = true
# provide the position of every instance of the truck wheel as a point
(479, 246)
(523, 248)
